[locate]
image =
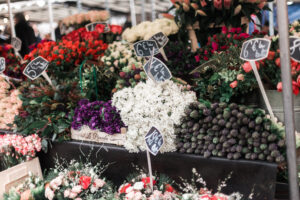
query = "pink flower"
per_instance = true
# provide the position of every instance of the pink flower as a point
(233, 84)
(247, 67)
(214, 46)
(279, 87)
(197, 58)
(224, 30)
(240, 77)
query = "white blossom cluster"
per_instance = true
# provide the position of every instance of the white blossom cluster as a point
(152, 104)
(147, 29)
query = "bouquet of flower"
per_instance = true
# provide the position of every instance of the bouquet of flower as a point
(120, 60)
(151, 104)
(270, 70)
(79, 20)
(77, 180)
(138, 187)
(192, 192)
(13, 65)
(82, 34)
(9, 104)
(47, 111)
(31, 188)
(145, 30)
(224, 79)
(15, 149)
(295, 28)
(97, 115)
(64, 55)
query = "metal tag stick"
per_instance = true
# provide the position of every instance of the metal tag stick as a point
(262, 89)
(288, 103)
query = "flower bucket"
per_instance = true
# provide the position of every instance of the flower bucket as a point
(15, 175)
(276, 102)
(87, 134)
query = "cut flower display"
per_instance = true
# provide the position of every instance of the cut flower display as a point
(85, 18)
(146, 30)
(97, 115)
(151, 104)
(15, 149)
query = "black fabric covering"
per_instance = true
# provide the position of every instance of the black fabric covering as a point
(26, 34)
(246, 174)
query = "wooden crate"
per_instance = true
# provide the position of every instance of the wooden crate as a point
(86, 134)
(17, 174)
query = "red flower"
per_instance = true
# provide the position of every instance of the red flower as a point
(218, 4)
(215, 197)
(298, 80)
(271, 55)
(215, 46)
(277, 62)
(124, 188)
(169, 188)
(146, 181)
(85, 181)
(233, 84)
(224, 30)
(295, 88)
(279, 87)
(197, 58)
(116, 29)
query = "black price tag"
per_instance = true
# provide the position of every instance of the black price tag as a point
(36, 67)
(2, 64)
(295, 48)
(158, 70)
(160, 39)
(255, 49)
(154, 141)
(16, 43)
(92, 26)
(144, 48)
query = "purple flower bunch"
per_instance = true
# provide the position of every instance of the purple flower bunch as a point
(97, 115)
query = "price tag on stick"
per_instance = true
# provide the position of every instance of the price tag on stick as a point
(144, 48)
(154, 141)
(254, 50)
(36, 68)
(16, 43)
(157, 70)
(92, 26)
(295, 48)
(161, 41)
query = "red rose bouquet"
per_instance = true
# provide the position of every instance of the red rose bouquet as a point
(13, 65)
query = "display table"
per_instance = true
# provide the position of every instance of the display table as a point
(246, 175)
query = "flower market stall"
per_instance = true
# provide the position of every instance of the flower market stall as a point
(172, 109)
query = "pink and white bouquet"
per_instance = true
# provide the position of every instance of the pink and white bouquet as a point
(15, 149)
(84, 18)
(9, 104)
(139, 188)
(77, 180)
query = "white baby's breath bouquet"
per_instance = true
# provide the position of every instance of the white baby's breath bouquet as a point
(147, 29)
(152, 104)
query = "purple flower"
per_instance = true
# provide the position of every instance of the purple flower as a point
(97, 115)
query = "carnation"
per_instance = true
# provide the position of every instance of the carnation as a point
(151, 104)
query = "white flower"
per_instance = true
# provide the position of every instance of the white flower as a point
(130, 195)
(49, 194)
(72, 195)
(129, 189)
(67, 193)
(138, 186)
(99, 183)
(93, 189)
(77, 189)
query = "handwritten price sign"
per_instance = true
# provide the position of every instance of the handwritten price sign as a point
(35, 68)
(154, 141)
(160, 39)
(16, 43)
(158, 70)
(255, 49)
(295, 48)
(144, 48)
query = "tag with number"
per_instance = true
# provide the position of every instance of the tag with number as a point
(35, 68)
(16, 43)
(144, 48)
(160, 39)
(154, 141)
(255, 49)
(2, 64)
(159, 71)
(295, 48)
